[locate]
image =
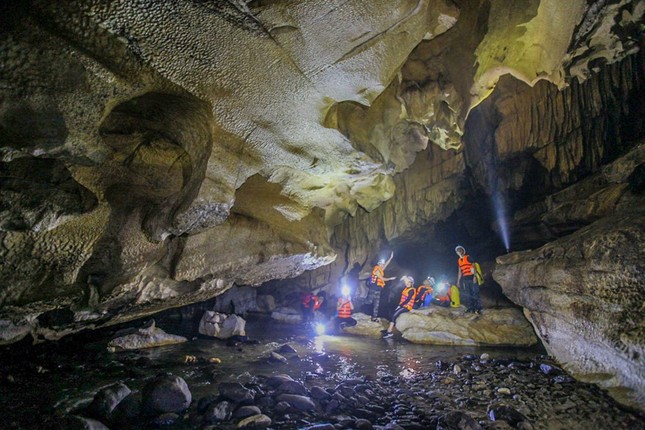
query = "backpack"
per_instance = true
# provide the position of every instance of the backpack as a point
(479, 275)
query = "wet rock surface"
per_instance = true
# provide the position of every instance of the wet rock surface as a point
(351, 383)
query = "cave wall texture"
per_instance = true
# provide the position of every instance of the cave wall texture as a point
(154, 154)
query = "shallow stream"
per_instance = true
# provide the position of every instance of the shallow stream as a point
(42, 385)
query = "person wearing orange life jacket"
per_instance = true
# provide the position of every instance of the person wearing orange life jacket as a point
(344, 307)
(441, 296)
(377, 283)
(466, 279)
(405, 304)
(308, 304)
(424, 292)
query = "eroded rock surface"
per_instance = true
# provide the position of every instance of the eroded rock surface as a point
(584, 292)
(439, 326)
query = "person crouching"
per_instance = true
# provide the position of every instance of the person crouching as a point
(344, 307)
(405, 304)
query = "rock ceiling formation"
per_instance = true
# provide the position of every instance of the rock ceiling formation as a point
(156, 153)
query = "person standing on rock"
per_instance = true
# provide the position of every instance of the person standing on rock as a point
(405, 304)
(377, 283)
(466, 279)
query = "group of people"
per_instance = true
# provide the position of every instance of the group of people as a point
(445, 295)
(429, 292)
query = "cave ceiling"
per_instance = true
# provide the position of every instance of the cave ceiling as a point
(166, 150)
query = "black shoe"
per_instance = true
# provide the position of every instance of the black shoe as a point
(387, 335)
(384, 331)
(374, 319)
(478, 311)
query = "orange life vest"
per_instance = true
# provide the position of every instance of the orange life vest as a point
(308, 298)
(407, 298)
(465, 266)
(345, 310)
(376, 272)
(422, 292)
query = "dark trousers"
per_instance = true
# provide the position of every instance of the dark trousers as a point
(398, 311)
(470, 287)
(307, 314)
(374, 297)
(341, 323)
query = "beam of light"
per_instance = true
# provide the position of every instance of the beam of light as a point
(345, 291)
(502, 221)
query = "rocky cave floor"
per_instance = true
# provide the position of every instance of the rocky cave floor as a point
(324, 382)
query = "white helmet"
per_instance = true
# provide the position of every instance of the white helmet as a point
(407, 278)
(460, 247)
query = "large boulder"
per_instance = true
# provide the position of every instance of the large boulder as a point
(107, 399)
(149, 337)
(365, 326)
(221, 326)
(584, 294)
(166, 393)
(451, 326)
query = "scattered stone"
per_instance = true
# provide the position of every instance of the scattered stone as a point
(127, 409)
(277, 358)
(363, 424)
(301, 403)
(456, 420)
(246, 411)
(107, 399)
(506, 413)
(325, 426)
(292, 387)
(258, 421)
(456, 369)
(504, 390)
(221, 411)
(286, 349)
(484, 357)
(235, 392)
(166, 393)
(548, 369)
(166, 419)
(205, 402)
(277, 380)
(282, 407)
(319, 393)
(74, 422)
(563, 379)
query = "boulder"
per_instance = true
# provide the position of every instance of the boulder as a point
(165, 393)
(450, 326)
(456, 420)
(221, 326)
(107, 399)
(75, 422)
(302, 403)
(149, 337)
(365, 326)
(259, 421)
(235, 392)
(246, 411)
(220, 411)
(584, 295)
(287, 315)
